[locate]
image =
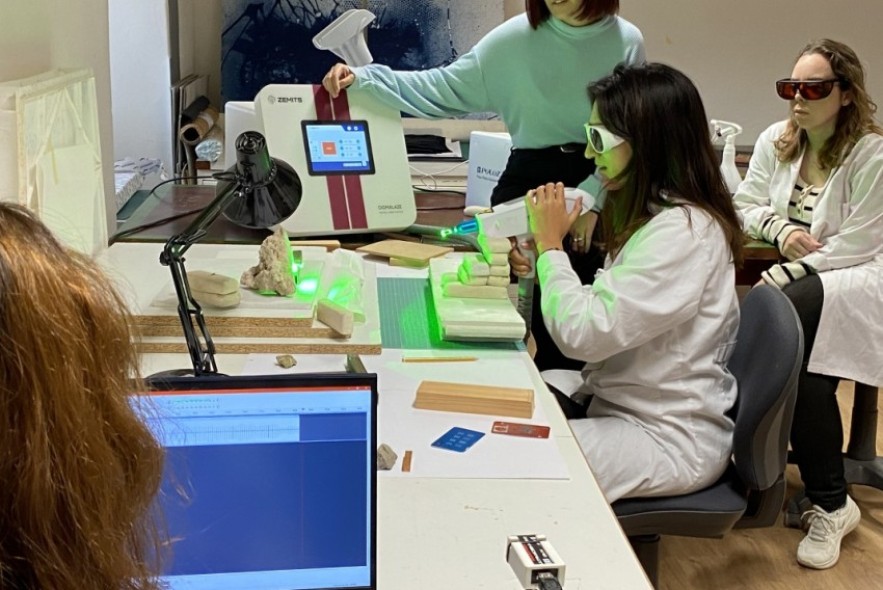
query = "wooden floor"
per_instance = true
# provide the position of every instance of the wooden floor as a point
(765, 558)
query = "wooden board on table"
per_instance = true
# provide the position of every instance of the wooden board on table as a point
(263, 325)
(414, 252)
(240, 346)
(471, 319)
(475, 399)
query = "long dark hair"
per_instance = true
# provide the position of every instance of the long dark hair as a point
(537, 11)
(854, 120)
(657, 109)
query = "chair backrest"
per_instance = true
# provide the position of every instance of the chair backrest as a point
(765, 362)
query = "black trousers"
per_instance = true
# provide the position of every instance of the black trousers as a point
(528, 169)
(817, 431)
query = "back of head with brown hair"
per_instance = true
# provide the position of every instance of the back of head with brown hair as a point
(854, 120)
(537, 11)
(78, 468)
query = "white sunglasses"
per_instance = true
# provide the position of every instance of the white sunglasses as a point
(600, 139)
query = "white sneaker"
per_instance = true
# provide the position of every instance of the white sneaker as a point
(820, 549)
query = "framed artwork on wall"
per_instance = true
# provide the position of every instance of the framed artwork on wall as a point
(271, 41)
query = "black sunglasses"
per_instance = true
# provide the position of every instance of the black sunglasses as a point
(809, 89)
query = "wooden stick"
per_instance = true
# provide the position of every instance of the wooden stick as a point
(438, 359)
(406, 461)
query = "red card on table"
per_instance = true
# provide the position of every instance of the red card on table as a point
(515, 429)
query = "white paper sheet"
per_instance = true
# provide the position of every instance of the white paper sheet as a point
(402, 427)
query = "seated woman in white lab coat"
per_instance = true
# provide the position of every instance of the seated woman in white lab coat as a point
(814, 188)
(657, 326)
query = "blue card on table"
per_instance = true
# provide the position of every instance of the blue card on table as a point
(458, 439)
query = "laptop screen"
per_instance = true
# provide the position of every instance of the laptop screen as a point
(269, 481)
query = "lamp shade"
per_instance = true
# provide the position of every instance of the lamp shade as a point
(270, 190)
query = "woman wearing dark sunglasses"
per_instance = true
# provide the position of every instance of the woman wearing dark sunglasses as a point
(532, 71)
(657, 326)
(814, 189)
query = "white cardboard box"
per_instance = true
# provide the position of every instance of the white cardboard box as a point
(488, 154)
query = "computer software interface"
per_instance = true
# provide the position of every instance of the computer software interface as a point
(268, 489)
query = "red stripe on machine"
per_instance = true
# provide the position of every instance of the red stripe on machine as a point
(341, 107)
(337, 200)
(336, 193)
(355, 201)
(323, 103)
(353, 182)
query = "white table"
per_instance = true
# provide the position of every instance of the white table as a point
(451, 533)
(438, 533)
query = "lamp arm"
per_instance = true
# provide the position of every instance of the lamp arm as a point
(196, 334)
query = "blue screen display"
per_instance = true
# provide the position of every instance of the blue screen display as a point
(337, 147)
(267, 490)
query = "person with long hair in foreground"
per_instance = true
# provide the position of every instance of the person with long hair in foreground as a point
(79, 469)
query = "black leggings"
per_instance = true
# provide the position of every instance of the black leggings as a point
(528, 169)
(817, 431)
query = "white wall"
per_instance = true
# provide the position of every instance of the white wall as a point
(200, 23)
(140, 79)
(38, 35)
(735, 50)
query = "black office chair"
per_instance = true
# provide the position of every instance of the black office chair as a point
(750, 494)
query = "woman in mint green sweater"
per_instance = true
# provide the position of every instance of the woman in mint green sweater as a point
(532, 71)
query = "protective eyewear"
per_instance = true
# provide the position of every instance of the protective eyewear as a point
(809, 90)
(600, 139)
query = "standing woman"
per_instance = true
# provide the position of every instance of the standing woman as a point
(78, 469)
(814, 189)
(532, 71)
(657, 326)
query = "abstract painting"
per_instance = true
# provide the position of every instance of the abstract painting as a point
(271, 41)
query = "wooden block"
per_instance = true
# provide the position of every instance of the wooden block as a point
(475, 399)
(329, 245)
(406, 461)
(465, 279)
(476, 266)
(407, 263)
(496, 258)
(494, 244)
(499, 270)
(414, 251)
(457, 289)
(498, 281)
(335, 316)
(216, 300)
(212, 282)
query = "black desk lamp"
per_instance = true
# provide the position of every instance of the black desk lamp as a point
(258, 192)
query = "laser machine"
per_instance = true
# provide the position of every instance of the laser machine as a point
(348, 151)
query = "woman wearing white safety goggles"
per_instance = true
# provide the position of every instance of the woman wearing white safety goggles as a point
(656, 326)
(601, 140)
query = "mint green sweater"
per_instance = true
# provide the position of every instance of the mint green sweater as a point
(535, 80)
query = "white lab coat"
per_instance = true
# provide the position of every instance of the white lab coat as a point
(656, 329)
(848, 221)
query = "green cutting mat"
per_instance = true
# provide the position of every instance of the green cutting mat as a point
(408, 318)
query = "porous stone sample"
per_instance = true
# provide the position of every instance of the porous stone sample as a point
(286, 361)
(386, 457)
(273, 271)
